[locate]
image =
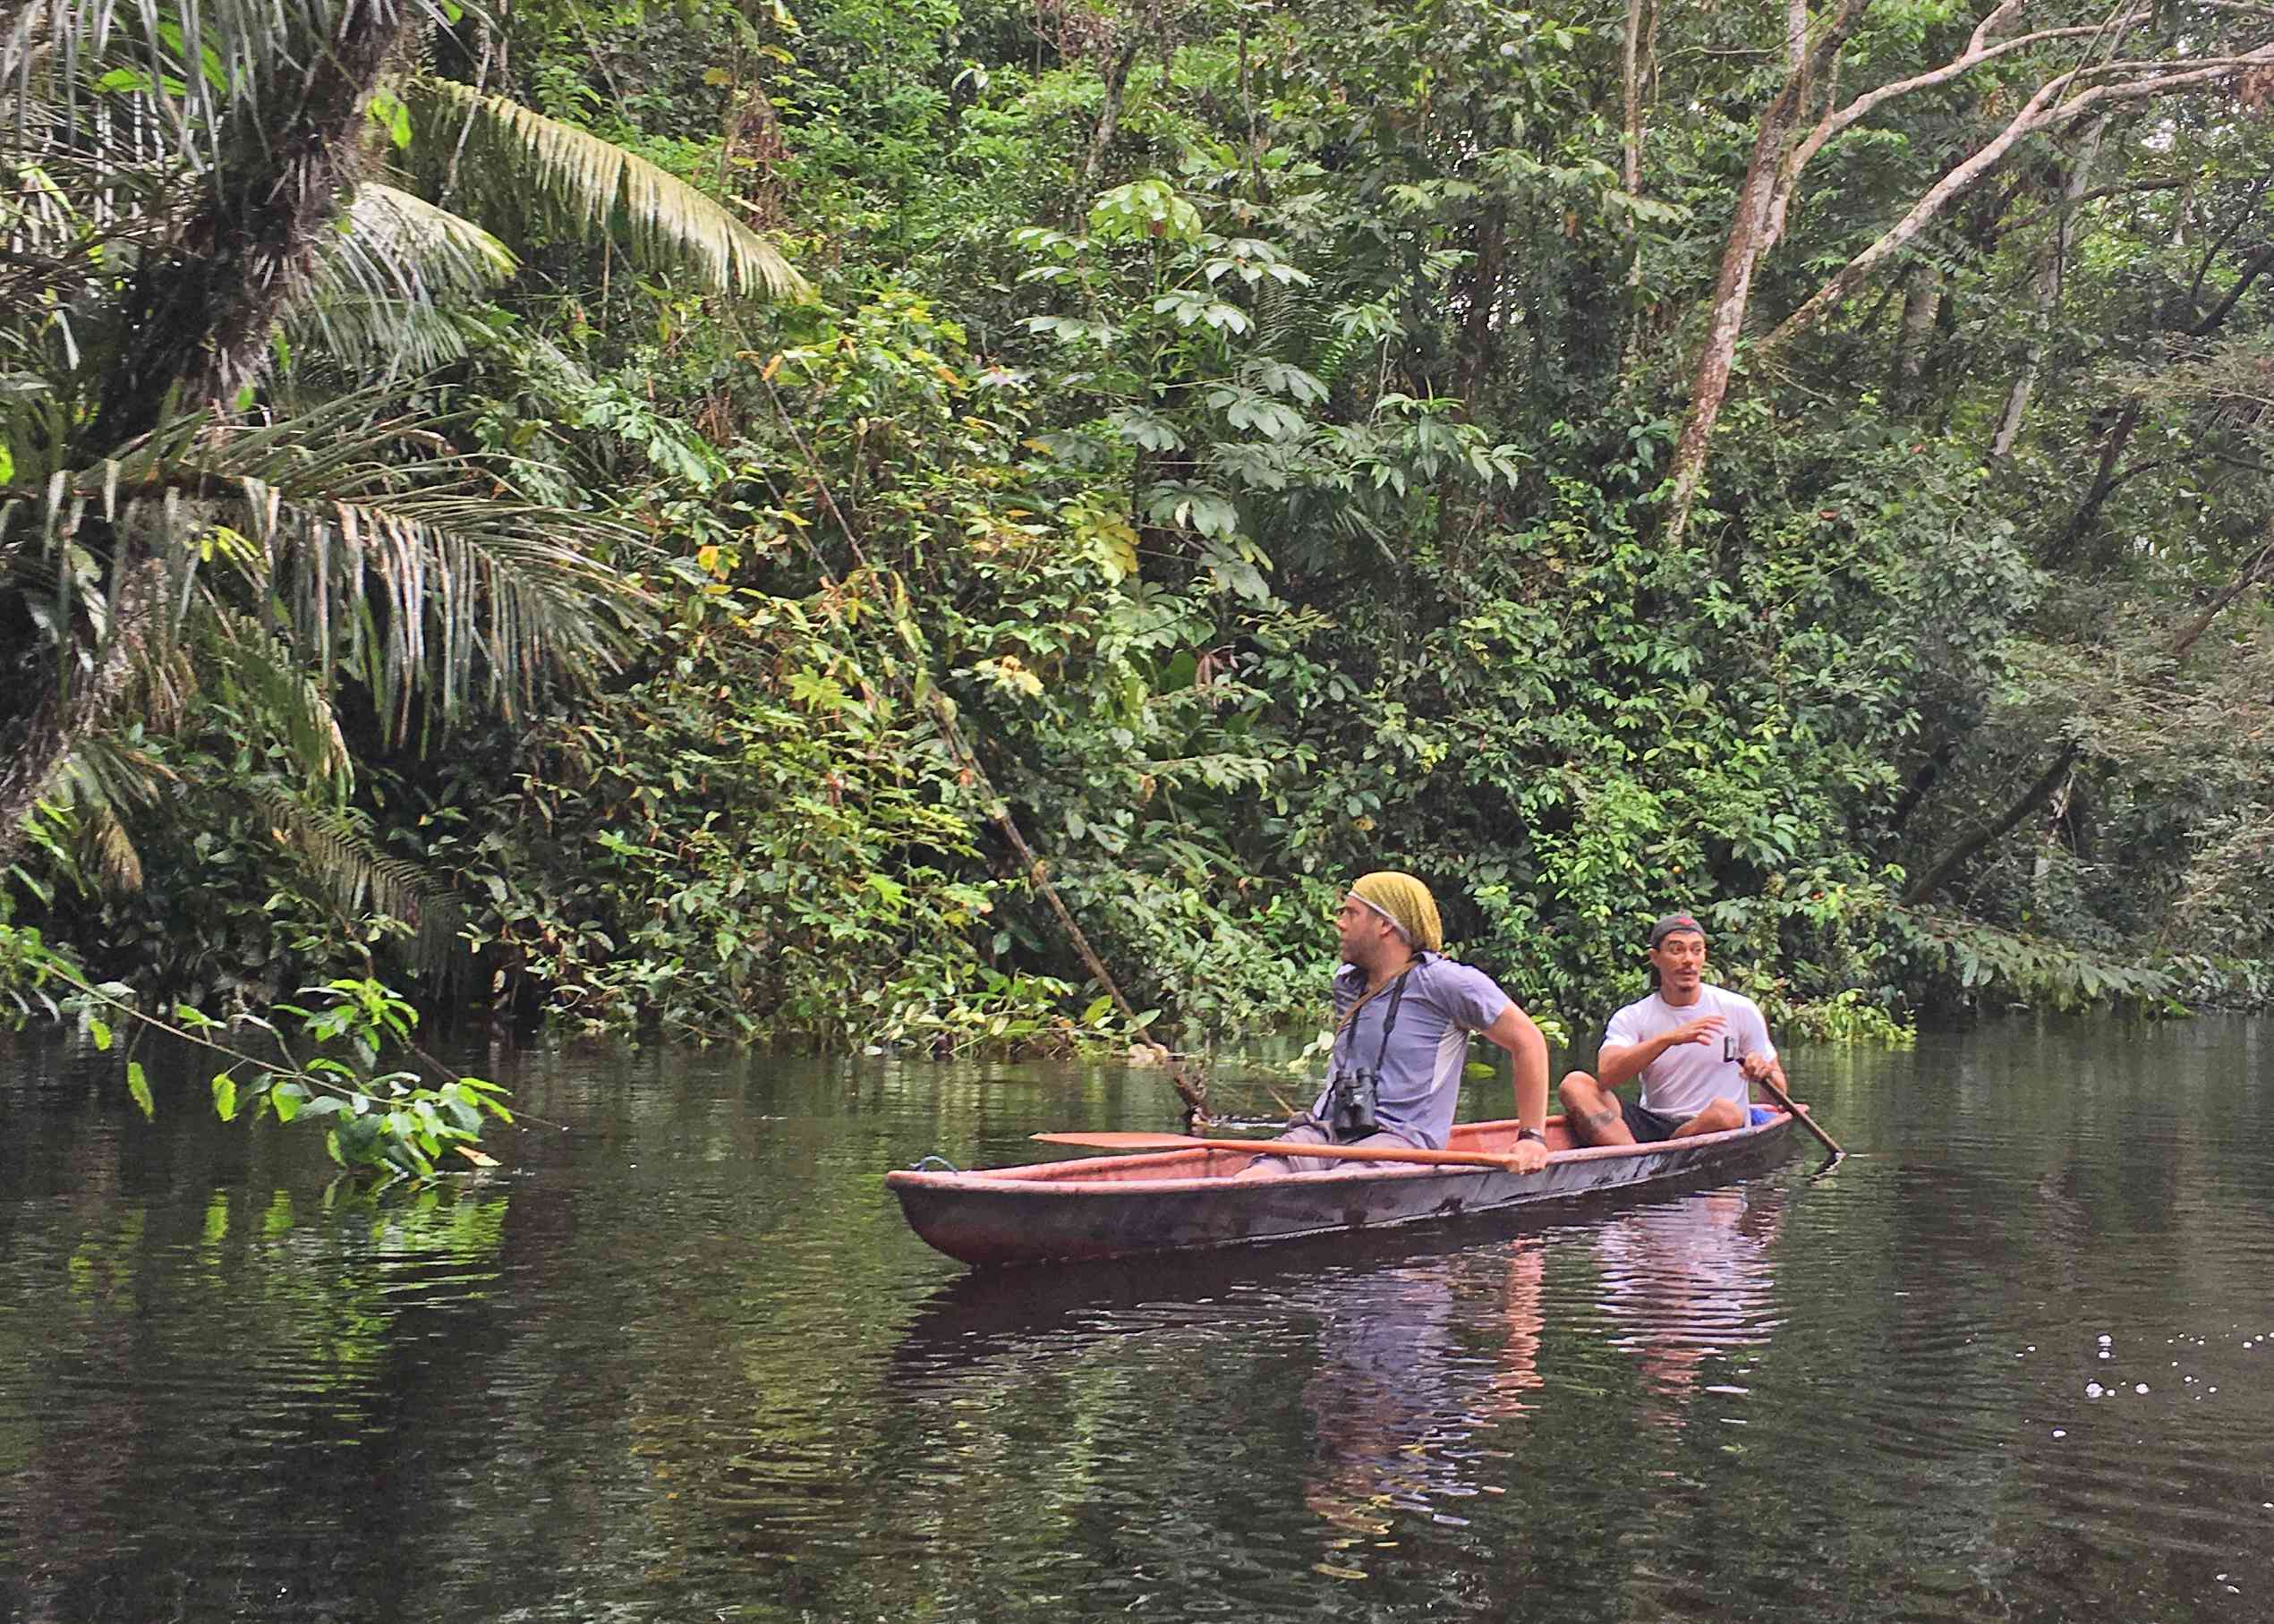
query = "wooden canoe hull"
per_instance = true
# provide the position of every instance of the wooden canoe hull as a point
(1163, 1201)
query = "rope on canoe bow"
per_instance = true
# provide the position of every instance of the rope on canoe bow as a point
(922, 1162)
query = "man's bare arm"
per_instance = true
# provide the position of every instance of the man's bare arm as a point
(1619, 1064)
(1528, 1052)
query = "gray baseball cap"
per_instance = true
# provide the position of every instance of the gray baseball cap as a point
(1674, 924)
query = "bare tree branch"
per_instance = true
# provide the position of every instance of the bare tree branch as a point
(1779, 158)
(2097, 194)
(1939, 872)
(2045, 110)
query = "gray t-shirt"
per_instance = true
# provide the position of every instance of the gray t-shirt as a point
(1689, 1076)
(1444, 1003)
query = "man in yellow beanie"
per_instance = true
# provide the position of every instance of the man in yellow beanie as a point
(1403, 1015)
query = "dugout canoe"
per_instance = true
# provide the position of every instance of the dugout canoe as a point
(1168, 1201)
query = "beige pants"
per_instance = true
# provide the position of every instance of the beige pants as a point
(1310, 1133)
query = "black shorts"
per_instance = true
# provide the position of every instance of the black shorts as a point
(1647, 1126)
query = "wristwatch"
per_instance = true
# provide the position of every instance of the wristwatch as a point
(1533, 1134)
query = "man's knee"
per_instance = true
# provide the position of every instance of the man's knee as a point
(1301, 1129)
(1719, 1118)
(1590, 1110)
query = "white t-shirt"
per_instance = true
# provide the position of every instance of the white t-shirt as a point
(1689, 1076)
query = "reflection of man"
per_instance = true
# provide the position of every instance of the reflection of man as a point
(1407, 1378)
(1697, 1049)
(1403, 1013)
(1687, 1279)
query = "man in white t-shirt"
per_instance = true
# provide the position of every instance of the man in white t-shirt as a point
(1697, 1048)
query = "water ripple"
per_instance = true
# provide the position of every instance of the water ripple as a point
(686, 1363)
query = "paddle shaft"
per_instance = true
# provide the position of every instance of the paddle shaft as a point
(1282, 1147)
(1801, 1116)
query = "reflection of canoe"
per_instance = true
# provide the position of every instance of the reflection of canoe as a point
(1170, 1200)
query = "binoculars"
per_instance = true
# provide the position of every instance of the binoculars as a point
(1352, 1096)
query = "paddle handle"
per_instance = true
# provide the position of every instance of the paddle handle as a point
(1364, 1152)
(1800, 1116)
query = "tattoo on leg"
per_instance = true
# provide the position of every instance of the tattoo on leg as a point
(1600, 1118)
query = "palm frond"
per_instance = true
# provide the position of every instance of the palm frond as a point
(537, 171)
(395, 244)
(471, 597)
(262, 679)
(386, 550)
(372, 545)
(111, 773)
(187, 66)
(381, 338)
(87, 804)
(117, 860)
(1284, 316)
(115, 84)
(384, 297)
(338, 849)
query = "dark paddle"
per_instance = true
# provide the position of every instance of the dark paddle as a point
(1280, 1147)
(1805, 1120)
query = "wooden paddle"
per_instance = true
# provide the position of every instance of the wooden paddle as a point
(1801, 1116)
(1280, 1147)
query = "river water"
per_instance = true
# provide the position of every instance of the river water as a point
(679, 1359)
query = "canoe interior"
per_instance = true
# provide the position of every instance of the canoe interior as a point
(1153, 1167)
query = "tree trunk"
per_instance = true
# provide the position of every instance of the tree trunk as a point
(1779, 160)
(1952, 861)
(2049, 276)
(2104, 481)
(2009, 422)
(1484, 295)
(1634, 78)
(2045, 110)
(1761, 201)
(1108, 120)
(1634, 62)
(198, 319)
(1732, 289)
(196, 324)
(1929, 771)
(1922, 305)
(2251, 575)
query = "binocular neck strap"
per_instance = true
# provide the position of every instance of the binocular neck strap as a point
(1390, 1016)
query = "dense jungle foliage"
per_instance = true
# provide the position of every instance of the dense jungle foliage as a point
(1804, 463)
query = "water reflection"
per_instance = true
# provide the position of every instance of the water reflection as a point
(245, 1350)
(687, 1363)
(1426, 1368)
(1687, 1280)
(1413, 1369)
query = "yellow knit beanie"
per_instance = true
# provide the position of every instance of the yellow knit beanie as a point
(1406, 903)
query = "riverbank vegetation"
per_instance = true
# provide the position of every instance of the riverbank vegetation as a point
(588, 511)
